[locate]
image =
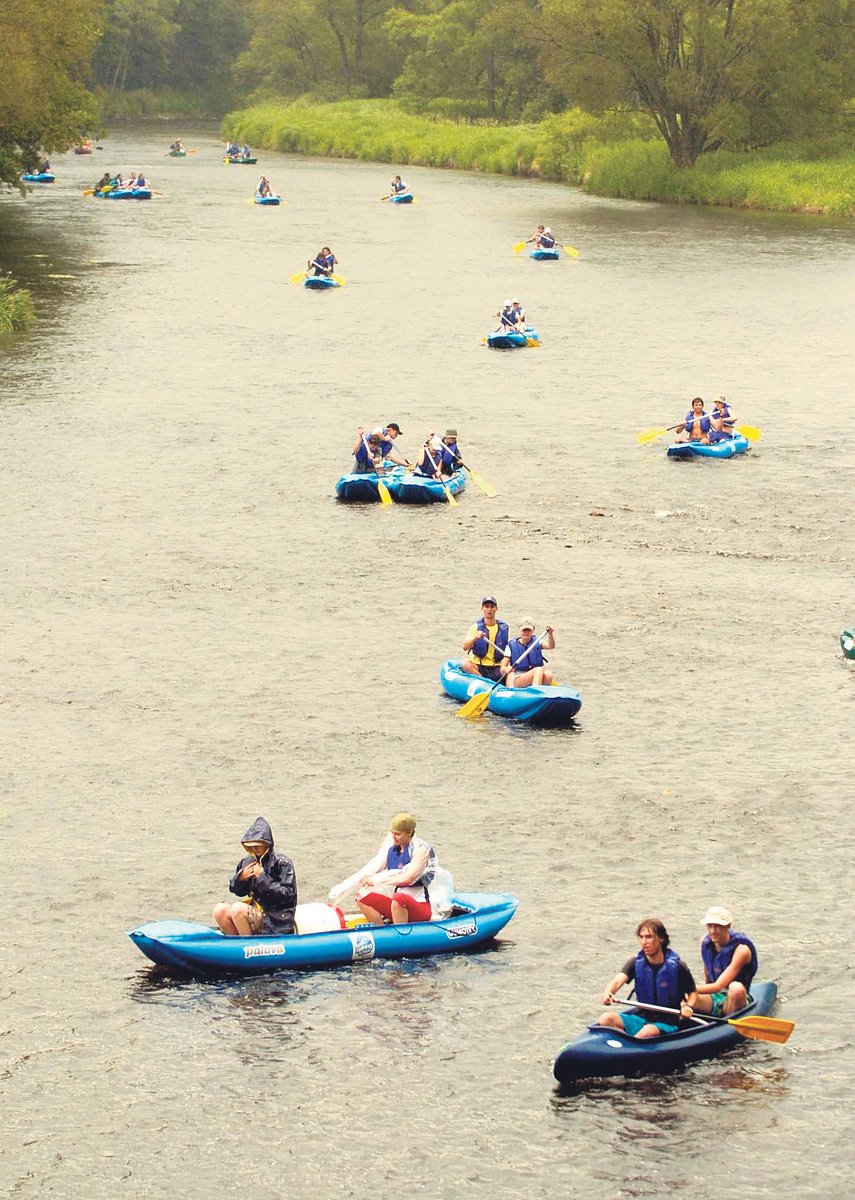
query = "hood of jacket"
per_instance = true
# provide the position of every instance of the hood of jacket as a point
(259, 831)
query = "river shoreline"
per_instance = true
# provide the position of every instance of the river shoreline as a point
(602, 158)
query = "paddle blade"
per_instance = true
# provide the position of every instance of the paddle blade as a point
(571, 250)
(519, 246)
(298, 278)
(649, 435)
(385, 495)
(766, 1029)
(475, 706)
(530, 341)
(448, 494)
(482, 484)
(340, 279)
(751, 432)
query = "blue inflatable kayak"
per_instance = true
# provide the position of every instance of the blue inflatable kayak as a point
(553, 707)
(847, 642)
(199, 949)
(39, 177)
(542, 255)
(318, 282)
(125, 194)
(362, 488)
(267, 199)
(509, 339)
(604, 1052)
(402, 198)
(417, 489)
(726, 449)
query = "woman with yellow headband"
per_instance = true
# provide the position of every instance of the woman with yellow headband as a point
(393, 887)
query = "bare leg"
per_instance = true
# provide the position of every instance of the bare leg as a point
(737, 998)
(240, 916)
(371, 914)
(612, 1020)
(400, 916)
(468, 667)
(648, 1031)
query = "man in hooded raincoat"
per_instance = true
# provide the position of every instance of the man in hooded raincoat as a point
(268, 883)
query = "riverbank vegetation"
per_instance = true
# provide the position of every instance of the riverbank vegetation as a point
(618, 154)
(16, 306)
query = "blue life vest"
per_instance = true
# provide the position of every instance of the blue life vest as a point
(533, 654)
(508, 318)
(401, 856)
(481, 646)
(666, 989)
(429, 466)
(324, 264)
(399, 187)
(727, 430)
(717, 961)
(703, 421)
(547, 241)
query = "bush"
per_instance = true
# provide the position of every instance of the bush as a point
(16, 306)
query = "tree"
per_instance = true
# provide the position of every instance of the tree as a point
(45, 53)
(706, 71)
(474, 55)
(137, 43)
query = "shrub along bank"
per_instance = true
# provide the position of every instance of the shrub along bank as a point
(617, 155)
(16, 306)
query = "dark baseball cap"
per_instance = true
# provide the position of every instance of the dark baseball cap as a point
(490, 600)
(394, 425)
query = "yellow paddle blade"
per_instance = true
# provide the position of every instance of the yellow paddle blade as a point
(519, 246)
(298, 278)
(571, 250)
(385, 495)
(649, 435)
(89, 192)
(482, 484)
(751, 432)
(530, 341)
(448, 494)
(475, 705)
(767, 1029)
(340, 279)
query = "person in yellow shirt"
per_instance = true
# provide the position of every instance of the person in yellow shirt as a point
(485, 643)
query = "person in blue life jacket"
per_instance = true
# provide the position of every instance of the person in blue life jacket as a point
(263, 188)
(536, 236)
(245, 151)
(547, 240)
(268, 884)
(398, 186)
(394, 886)
(518, 314)
(660, 977)
(324, 262)
(730, 964)
(507, 318)
(388, 435)
(434, 460)
(722, 420)
(532, 669)
(367, 453)
(696, 426)
(486, 643)
(232, 150)
(451, 448)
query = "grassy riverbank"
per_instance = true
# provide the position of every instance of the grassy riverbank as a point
(611, 156)
(16, 306)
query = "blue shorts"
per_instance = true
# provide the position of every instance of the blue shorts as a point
(632, 1023)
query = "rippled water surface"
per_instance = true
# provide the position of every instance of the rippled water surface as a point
(195, 632)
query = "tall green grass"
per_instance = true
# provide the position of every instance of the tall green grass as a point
(164, 103)
(615, 155)
(16, 306)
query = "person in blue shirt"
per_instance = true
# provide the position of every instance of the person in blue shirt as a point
(722, 420)
(532, 670)
(696, 425)
(324, 262)
(398, 186)
(435, 459)
(367, 453)
(263, 188)
(388, 434)
(660, 978)
(730, 964)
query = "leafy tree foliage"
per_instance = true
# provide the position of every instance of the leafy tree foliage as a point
(45, 53)
(706, 71)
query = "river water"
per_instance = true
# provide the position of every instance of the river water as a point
(195, 633)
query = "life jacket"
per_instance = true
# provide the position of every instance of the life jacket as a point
(716, 961)
(141, 183)
(533, 654)
(665, 991)
(703, 420)
(401, 856)
(547, 241)
(508, 318)
(728, 422)
(429, 466)
(482, 651)
(399, 187)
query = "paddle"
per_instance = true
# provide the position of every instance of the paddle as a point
(520, 246)
(571, 250)
(482, 484)
(449, 497)
(382, 490)
(766, 1029)
(650, 435)
(475, 705)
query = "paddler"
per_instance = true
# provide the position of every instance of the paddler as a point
(367, 454)
(388, 434)
(324, 262)
(485, 643)
(268, 884)
(398, 186)
(394, 884)
(722, 420)
(434, 459)
(103, 184)
(695, 426)
(661, 978)
(532, 670)
(730, 963)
